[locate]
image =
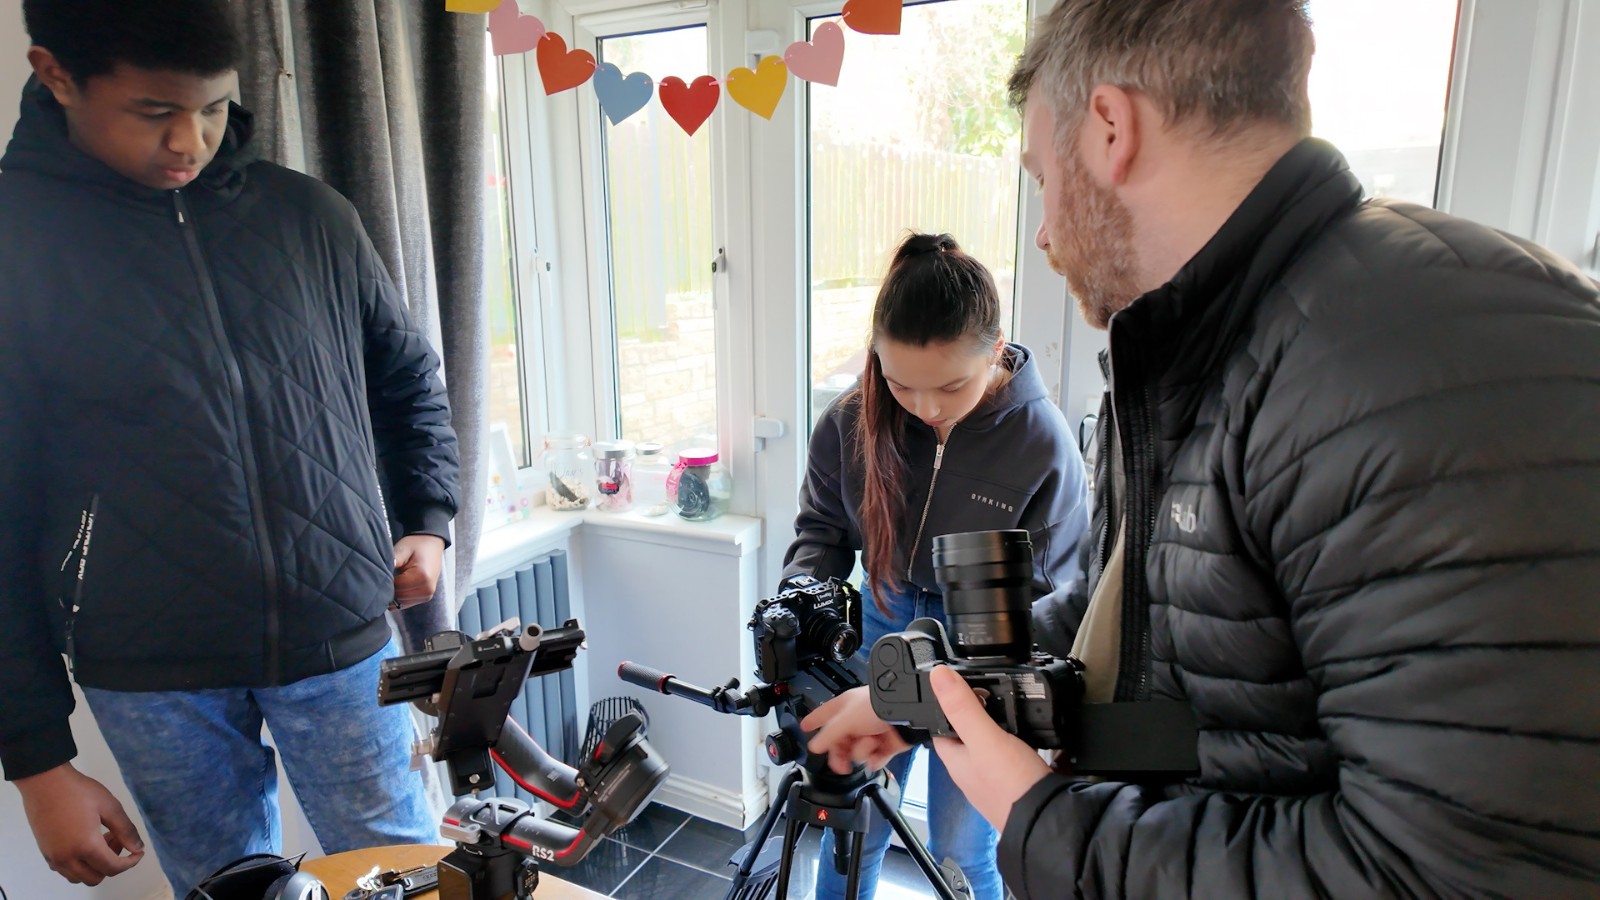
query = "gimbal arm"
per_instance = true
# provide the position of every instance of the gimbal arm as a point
(535, 771)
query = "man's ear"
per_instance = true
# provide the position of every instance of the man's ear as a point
(53, 75)
(1114, 123)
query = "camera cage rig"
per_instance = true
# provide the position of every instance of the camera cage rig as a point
(813, 794)
(469, 684)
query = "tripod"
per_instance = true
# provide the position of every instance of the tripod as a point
(813, 794)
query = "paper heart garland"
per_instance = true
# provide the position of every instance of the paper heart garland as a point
(873, 16)
(511, 31)
(820, 59)
(689, 104)
(560, 69)
(621, 97)
(759, 91)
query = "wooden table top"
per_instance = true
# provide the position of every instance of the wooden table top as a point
(340, 871)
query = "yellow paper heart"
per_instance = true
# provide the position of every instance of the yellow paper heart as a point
(759, 91)
(472, 6)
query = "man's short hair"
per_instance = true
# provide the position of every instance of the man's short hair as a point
(90, 37)
(1209, 65)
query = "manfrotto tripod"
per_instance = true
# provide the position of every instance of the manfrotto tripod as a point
(813, 794)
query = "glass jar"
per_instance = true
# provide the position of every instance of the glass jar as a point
(699, 487)
(613, 476)
(569, 470)
(651, 468)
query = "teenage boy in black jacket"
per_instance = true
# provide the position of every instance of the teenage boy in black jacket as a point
(205, 373)
(1315, 528)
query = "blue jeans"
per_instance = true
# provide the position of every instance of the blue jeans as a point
(955, 829)
(207, 785)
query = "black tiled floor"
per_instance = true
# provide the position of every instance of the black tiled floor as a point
(652, 828)
(704, 845)
(606, 866)
(663, 879)
(668, 854)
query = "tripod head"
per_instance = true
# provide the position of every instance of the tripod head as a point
(470, 684)
(808, 629)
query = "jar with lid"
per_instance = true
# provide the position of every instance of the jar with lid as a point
(613, 475)
(651, 468)
(569, 470)
(699, 487)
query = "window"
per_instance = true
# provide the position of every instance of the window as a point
(917, 135)
(658, 196)
(507, 376)
(1387, 119)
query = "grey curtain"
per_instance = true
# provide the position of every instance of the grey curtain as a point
(384, 100)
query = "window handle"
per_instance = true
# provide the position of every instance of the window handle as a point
(768, 428)
(719, 262)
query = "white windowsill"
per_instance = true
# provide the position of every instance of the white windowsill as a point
(504, 548)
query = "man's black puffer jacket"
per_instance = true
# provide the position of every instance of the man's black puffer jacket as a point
(1363, 453)
(198, 366)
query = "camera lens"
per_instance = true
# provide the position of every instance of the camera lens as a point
(987, 578)
(843, 642)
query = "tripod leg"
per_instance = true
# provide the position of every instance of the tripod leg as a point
(918, 852)
(765, 831)
(791, 838)
(852, 885)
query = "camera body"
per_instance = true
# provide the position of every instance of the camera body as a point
(987, 579)
(1035, 700)
(808, 622)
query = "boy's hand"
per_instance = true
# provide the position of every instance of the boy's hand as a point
(66, 810)
(418, 559)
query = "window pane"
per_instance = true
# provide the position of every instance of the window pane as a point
(505, 369)
(1388, 119)
(658, 209)
(917, 135)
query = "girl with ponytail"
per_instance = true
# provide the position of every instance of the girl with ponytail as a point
(950, 430)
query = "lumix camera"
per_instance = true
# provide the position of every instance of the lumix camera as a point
(987, 578)
(808, 622)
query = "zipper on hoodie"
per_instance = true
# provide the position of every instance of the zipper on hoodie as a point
(938, 460)
(241, 411)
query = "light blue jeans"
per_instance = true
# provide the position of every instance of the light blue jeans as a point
(955, 829)
(207, 784)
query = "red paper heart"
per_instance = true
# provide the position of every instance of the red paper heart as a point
(689, 104)
(560, 69)
(873, 16)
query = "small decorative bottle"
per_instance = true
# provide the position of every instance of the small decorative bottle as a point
(569, 471)
(699, 487)
(651, 469)
(613, 470)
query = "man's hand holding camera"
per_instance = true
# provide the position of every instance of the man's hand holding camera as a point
(993, 768)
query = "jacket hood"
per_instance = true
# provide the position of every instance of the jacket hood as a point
(1026, 385)
(40, 145)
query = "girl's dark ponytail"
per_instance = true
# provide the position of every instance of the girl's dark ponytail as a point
(933, 293)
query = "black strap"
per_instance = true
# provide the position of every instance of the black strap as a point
(1136, 741)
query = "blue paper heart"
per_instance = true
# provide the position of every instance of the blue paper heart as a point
(621, 97)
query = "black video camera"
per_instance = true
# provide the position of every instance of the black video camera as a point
(808, 622)
(987, 577)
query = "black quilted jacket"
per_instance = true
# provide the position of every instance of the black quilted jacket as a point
(220, 373)
(1362, 443)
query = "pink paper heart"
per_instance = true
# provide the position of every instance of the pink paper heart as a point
(512, 32)
(819, 59)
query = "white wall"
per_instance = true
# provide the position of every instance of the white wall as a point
(13, 65)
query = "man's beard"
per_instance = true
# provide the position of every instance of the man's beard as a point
(1096, 252)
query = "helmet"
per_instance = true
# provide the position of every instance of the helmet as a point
(260, 876)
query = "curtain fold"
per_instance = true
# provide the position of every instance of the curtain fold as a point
(384, 100)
